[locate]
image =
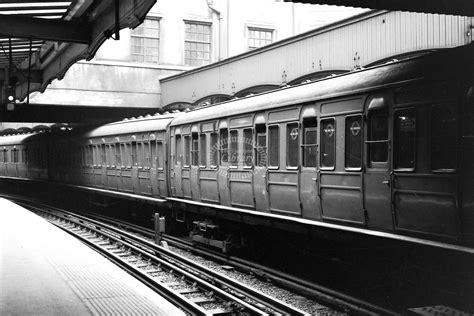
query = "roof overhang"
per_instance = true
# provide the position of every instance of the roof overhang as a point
(450, 7)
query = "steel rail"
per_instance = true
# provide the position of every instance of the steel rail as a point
(224, 282)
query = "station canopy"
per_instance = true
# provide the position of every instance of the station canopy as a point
(40, 40)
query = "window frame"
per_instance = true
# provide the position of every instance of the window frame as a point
(333, 167)
(362, 138)
(455, 141)
(269, 165)
(384, 165)
(234, 165)
(298, 146)
(202, 150)
(189, 61)
(145, 37)
(251, 28)
(393, 147)
(305, 128)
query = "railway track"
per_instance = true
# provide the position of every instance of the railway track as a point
(196, 289)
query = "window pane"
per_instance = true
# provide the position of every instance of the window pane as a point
(213, 151)
(353, 142)
(202, 149)
(195, 150)
(179, 150)
(379, 135)
(234, 148)
(443, 137)
(224, 145)
(404, 139)
(328, 143)
(187, 150)
(261, 150)
(310, 135)
(248, 150)
(292, 142)
(160, 155)
(153, 155)
(274, 144)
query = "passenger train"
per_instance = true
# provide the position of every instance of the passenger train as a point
(386, 151)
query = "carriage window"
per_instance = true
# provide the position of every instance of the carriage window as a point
(328, 143)
(404, 133)
(248, 147)
(310, 142)
(213, 150)
(134, 154)
(202, 150)
(103, 157)
(234, 148)
(179, 150)
(160, 155)
(353, 142)
(443, 138)
(153, 155)
(378, 137)
(15, 155)
(274, 146)
(292, 143)
(261, 148)
(224, 146)
(124, 154)
(118, 160)
(90, 157)
(195, 149)
(187, 151)
(146, 154)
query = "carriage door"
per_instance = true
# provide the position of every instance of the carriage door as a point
(309, 174)
(177, 168)
(377, 181)
(260, 177)
(223, 173)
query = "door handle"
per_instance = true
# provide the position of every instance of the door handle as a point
(387, 182)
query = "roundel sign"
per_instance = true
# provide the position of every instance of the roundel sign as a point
(294, 133)
(355, 128)
(329, 130)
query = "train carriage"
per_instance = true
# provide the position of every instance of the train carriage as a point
(385, 149)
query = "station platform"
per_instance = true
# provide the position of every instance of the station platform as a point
(46, 271)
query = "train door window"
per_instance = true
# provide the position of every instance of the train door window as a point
(224, 146)
(153, 154)
(248, 147)
(443, 138)
(292, 145)
(213, 150)
(234, 148)
(118, 159)
(179, 150)
(378, 138)
(134, 154)
(187, 151)
(310, 142)
(328, 144)
(404, 136)
(261, 145)
(103, 155)
(2, 157)
(160, 155)
(146, 155)
(194, 149)
(123, 154)
(90, 153)
(202, 150)
(353, 142)
(274, 146)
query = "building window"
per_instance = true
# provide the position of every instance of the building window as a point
(197, 44)
(145, 42)
(259, 37)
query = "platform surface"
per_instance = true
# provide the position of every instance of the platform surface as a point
(46, 271)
